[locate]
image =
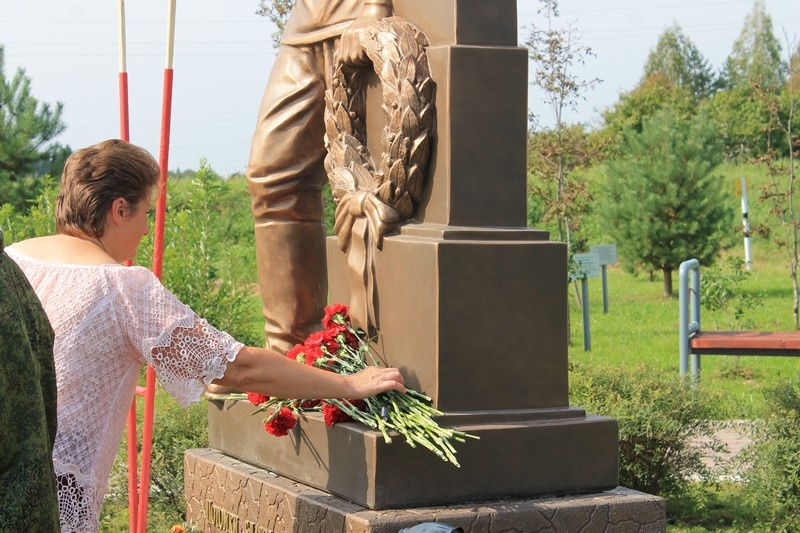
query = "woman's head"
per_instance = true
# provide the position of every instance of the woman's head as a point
(97, 175)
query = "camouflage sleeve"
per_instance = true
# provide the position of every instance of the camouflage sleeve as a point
(27, 407)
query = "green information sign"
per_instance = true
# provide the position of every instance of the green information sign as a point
(606, 252)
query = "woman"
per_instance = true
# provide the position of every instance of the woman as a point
(110, 320)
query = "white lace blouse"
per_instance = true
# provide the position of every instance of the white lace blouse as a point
(109, 321)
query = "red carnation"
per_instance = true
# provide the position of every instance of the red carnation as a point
(281, 423)
(315, 340)
(351, 340)
(256, 398)
(329, 339)
(312, 355)
(334, 415)
(297, 350)
(336, 314)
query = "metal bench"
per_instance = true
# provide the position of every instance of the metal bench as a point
(695, 342)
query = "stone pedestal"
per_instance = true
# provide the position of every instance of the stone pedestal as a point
(472, 309)
(224, 495)
(520, 453)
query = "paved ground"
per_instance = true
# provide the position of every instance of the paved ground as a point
(735, 436)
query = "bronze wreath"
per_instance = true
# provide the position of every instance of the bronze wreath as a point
(397, 51)
(371, 200)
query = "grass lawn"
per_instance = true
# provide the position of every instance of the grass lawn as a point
(642, 325)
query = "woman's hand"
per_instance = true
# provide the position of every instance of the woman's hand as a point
(374, 380)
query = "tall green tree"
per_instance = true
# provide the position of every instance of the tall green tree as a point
(745, 124)
(756, 55)
(663, 203)
(754, 73)
(653, 94)
(676, 57)
(26, 126)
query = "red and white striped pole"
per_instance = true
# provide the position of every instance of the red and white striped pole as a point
(158, 255)
(124, 134)
(124, 127)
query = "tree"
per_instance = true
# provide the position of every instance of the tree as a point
(745, 125)
(654, 93)
(554, 52)
(794, 69)
(277, 11)
(756, 55)
(566, 150)
(676, 57)
(664, 204)
(780, 192)
(26, 126)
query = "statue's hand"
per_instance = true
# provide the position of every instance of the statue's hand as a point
(350, 50)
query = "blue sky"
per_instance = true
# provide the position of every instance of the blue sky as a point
(223, 53)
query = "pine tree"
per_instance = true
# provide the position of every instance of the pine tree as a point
(26, 126)
(664, 203)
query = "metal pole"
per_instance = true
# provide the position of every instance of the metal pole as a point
(587, 334)
(124, 128)
(694, 313)
(158, 255)
(688, 314)
(605, 288)
(683, 317)
(124, 134)
(748, 261)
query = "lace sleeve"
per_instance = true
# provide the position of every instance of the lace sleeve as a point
(185, 351)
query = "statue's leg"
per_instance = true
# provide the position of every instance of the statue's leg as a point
(285, 176)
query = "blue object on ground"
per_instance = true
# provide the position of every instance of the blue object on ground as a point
(431, 527)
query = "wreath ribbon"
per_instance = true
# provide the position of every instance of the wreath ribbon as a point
(361, 221)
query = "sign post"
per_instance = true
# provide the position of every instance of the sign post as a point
(607, 254)
(741, 189)
(589, 267)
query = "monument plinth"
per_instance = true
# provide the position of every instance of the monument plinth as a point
(473, 309)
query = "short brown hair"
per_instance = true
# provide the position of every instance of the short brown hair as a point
(97, 175)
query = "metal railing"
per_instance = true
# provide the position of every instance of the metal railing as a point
(688, 314)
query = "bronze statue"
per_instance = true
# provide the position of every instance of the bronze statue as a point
(286, 173)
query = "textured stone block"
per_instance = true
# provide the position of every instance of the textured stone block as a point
(258, 501)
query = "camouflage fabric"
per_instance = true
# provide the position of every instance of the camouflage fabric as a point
(28, 499)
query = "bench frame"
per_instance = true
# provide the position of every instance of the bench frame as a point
(694, 342)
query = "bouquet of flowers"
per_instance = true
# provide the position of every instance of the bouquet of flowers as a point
(341, 348)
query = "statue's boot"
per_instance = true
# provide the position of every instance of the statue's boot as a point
(292, 276)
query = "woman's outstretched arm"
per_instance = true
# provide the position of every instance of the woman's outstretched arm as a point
(265, 372)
